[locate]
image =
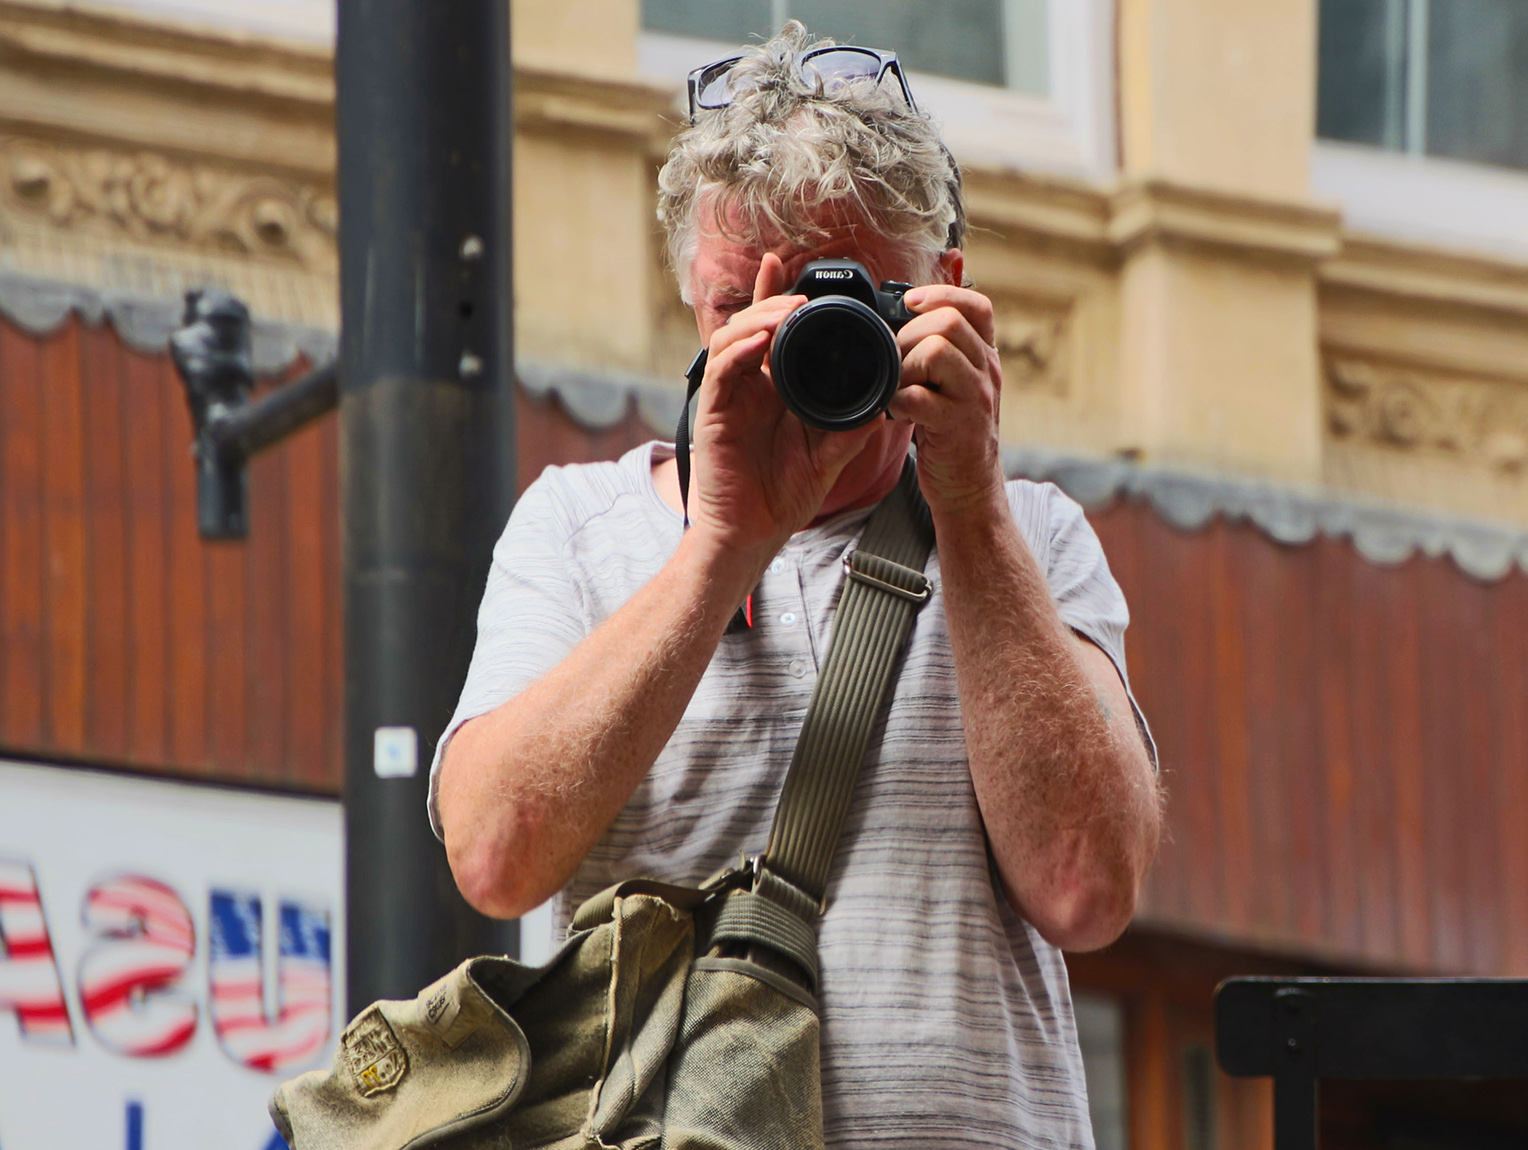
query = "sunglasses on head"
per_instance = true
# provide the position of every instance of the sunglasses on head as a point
(711, 85)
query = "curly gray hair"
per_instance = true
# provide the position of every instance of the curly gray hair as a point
(786, 147)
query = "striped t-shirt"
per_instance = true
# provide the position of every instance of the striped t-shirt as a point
(946, 1019)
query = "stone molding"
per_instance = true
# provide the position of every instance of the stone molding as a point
(1392, 270)
(1158, 210)
(148, 197)
(1390, 406)
(1384, 534)
(628, 112)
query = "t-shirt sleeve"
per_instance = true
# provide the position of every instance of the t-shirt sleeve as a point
(531, 616)
(1088, 599)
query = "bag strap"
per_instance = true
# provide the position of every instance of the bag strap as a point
(884, 589)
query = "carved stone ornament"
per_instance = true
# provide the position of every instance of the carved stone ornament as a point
(1032, 345)
(1474, 419)
(151, 198)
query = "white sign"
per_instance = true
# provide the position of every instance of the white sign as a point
(169, 953)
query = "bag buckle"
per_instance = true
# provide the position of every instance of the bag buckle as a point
(853, 566)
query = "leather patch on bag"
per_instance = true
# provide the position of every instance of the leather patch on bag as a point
(372, 1051)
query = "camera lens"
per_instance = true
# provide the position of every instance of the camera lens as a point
(835, 363)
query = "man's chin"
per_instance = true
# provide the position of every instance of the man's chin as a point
(871, 474)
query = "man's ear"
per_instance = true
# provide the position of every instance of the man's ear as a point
(952, 267)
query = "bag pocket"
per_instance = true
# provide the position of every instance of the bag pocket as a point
(745, 1073)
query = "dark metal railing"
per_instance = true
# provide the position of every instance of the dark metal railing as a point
(1299, 1031)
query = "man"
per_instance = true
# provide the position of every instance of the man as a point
(613, 724)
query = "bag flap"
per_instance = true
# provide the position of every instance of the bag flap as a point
(408, 1074)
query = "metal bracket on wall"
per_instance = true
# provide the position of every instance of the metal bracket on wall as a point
(211, 351)
(1300, 1030)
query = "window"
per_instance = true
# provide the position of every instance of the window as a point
(1422, 110)
(1101, 1038)
(1013, 82)
(997, 42)
(1445, 78)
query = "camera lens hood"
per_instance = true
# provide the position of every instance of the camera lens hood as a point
(835, 363)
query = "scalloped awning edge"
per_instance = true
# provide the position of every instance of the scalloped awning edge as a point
(40, 307)
(1385, 534)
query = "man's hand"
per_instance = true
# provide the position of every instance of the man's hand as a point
(952, 385)
(760, 473)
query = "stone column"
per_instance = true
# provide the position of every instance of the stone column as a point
(1218, 237)
(586, 134)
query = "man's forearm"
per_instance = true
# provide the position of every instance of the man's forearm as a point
(1060, 772)
(527, 789)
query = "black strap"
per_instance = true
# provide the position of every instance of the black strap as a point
(693, 375)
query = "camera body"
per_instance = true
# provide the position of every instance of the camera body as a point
(835, 360)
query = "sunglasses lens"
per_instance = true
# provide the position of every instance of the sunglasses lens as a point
(839, 66)
(714, 88)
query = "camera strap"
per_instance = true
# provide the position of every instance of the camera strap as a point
(693, 375)
(884, 589)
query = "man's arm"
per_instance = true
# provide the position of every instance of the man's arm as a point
(1066, 789)
(527, 789)
(1061, 774)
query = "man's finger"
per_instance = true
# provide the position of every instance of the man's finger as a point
(766, 315)
(976, 307)
(771, 278)
(952, 326)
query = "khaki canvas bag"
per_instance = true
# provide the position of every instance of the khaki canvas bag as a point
(672, 1017)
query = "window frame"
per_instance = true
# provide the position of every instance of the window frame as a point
(1423, 199)
(1069, 132)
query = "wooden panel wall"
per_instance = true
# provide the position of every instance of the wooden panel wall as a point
(1345, 746)
(125, 638)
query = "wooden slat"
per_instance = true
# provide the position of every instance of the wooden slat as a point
(65, 582)
(267, 686)
(142, 431)
(1238, 867)
(1474, 659)
(1198, 799)
(1274, 887)
(334, 644)
(306, 582)
(226, 660)
(1443, 734)
(1510, 688)
(1299, 742)
(21, 492)
(186, 580)
(106, 486)
(1370, 594)
(1332, 625)
(1406, 759)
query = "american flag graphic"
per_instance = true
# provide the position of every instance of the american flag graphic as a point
(239, 1017)
(29, 982)
(127, 981)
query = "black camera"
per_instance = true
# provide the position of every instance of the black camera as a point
(835, 360)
